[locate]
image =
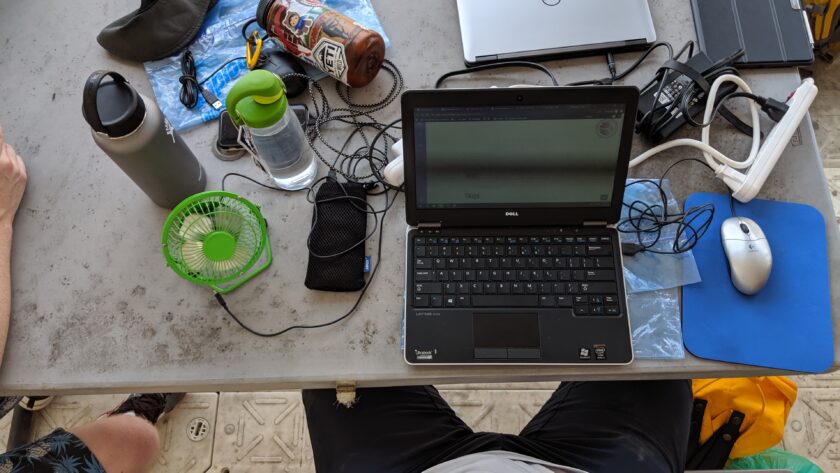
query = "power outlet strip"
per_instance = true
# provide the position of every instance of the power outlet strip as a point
(745, 186)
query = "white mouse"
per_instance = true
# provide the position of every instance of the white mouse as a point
(747, 252)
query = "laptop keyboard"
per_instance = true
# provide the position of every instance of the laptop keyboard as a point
(574, 272)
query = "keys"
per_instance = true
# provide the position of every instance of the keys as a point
(519, 271)
(597, 287)
(423, 276)
(600, 275)
(505, 301)
(547, 301)
(563, 301)
(428, 288)
(598, 250)
(603, 262)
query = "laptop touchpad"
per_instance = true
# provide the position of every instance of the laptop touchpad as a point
(506, 336)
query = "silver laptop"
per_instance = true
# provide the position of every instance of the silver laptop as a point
(501, 30)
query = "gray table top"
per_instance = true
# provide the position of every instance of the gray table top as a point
(96, 310)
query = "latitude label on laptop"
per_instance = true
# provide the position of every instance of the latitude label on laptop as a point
(511, 195)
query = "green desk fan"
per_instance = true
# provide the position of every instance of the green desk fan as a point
(214, 238)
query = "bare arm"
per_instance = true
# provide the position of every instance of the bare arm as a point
(12, 185)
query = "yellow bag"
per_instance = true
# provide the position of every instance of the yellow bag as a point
(824, 16)
(765, 401)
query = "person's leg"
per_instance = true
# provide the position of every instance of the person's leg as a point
(615, 426)
(388, 429)
(121, 443)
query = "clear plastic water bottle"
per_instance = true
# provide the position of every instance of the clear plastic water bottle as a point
(258, 101)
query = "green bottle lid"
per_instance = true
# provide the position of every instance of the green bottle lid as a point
(258, 99)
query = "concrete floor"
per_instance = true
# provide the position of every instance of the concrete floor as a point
(262, 432)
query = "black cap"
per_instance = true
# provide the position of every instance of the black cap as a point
(262, 12)
(113, 107)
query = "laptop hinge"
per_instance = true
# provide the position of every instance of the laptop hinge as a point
(429, 225)
(595, 223)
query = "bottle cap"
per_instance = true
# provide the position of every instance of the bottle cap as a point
(258, 99)
(113, 108)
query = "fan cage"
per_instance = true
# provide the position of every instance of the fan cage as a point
(203, 214)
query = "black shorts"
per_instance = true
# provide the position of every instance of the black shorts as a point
(606, 426)
(58, 451)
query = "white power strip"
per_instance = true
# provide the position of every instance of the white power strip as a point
(763, 156)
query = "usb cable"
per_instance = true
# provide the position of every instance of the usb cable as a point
(190, 86)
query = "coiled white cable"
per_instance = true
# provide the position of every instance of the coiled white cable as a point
(717, 160)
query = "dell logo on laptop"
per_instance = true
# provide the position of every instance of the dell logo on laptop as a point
(512, 214)
(551, 3)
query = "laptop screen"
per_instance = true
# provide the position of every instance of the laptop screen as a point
(517, 156)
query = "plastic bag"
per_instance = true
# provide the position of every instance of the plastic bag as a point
(647, 271)
(220, 47)
(655, 321)
(774, 458)
(651, 281)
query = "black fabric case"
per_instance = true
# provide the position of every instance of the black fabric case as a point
(772, 33)
(337, 225)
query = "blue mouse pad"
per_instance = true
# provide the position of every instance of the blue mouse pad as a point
(788, 324)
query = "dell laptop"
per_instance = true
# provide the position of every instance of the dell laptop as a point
(501, 30)
(511, 200)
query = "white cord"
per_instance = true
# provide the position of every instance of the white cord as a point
(717, 160)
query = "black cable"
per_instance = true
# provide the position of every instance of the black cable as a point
(647, 221)
(626, 72)
(223, 303)
(236, 174)
(497, 65)
(189, 83)
(360, 117)
(190, 86)
(216, 71)
(720, 103)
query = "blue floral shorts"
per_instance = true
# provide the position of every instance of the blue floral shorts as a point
(58, 452)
